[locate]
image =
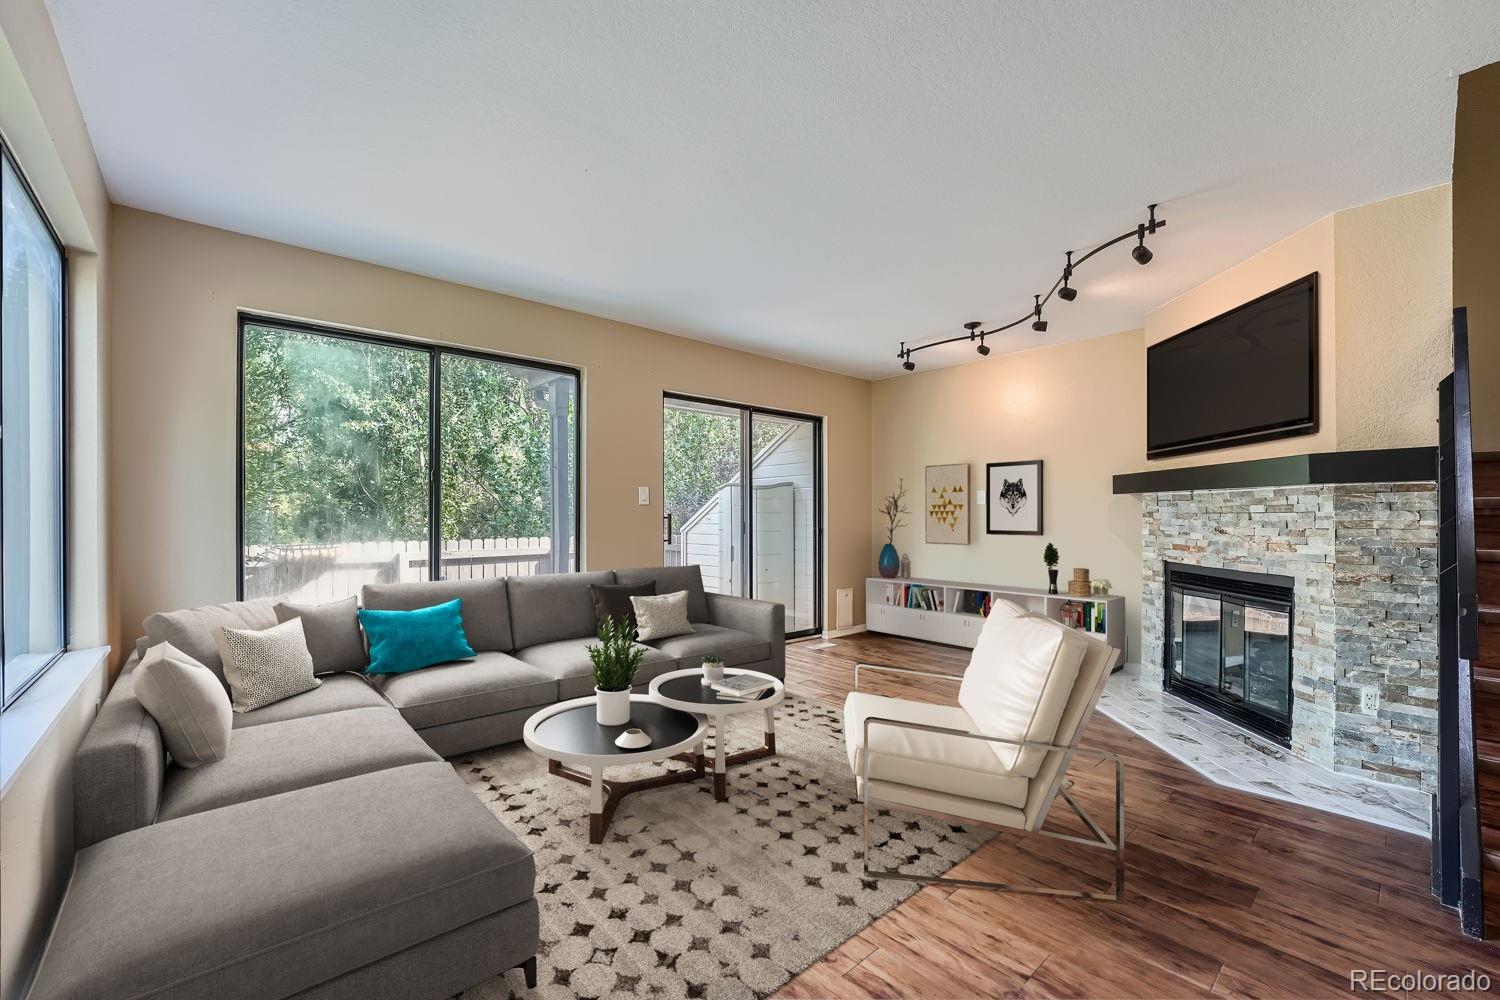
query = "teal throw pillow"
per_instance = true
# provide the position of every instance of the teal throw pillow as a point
(410, 640)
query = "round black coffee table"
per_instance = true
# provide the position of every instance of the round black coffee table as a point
(685, 691)
(579, 749)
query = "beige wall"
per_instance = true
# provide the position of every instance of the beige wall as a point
(1476, 242)
(41, 122)
(1394, 318)
(1077, 407)
(1384, 302)
(178, 287)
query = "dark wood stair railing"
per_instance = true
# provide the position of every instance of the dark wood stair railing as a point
(1468, 792)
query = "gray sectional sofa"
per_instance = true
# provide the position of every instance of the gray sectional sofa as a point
(333, 853)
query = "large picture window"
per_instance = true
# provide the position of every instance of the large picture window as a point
(369, 459)
(31, 436)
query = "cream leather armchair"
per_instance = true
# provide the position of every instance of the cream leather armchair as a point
(1000, 756)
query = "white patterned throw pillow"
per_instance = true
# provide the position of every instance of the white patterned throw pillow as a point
(661, 617)
(266, 666)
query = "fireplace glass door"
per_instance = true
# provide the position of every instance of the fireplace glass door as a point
(1232, 652)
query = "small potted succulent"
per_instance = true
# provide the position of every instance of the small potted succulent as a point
(615, 659)
(713, 670)
(1049, 556)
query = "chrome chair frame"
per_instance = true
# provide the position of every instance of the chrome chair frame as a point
(1099, 840)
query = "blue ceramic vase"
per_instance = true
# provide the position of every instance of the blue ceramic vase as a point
(890, 560)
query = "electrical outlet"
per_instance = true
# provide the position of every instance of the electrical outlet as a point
(1370, 700)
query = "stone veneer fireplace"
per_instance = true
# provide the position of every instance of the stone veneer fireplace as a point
(1362, 561)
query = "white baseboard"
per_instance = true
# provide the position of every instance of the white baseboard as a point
(839, 633)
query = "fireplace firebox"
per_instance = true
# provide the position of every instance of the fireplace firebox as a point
(1229, 645)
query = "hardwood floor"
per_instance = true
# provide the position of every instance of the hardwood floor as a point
(1228, 894)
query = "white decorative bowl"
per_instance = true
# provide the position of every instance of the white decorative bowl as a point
(633, 739)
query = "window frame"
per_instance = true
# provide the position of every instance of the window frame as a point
(435, 354)
(64, 359)
(748, 412)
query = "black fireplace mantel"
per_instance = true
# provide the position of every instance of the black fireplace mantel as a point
(1379, 465)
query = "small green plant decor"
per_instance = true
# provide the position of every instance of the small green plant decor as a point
(1049, 556)
(616, 659)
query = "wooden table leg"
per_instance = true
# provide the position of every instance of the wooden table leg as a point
(605, 796)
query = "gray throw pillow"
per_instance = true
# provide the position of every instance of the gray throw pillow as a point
(332, 632)
(661, 617)
(188, 702)
(266, 666)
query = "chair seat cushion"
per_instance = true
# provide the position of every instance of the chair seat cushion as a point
(296, 753)
(731, 645)
(267, 898)
(467, 689)
(339, 692)
(939, 762)
(567, 660)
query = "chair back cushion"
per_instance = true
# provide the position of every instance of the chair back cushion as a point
(1018, 683)
(195, 631)
(553, 606)
(669, 579)
(1099, 660)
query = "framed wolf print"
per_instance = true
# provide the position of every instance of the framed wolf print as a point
(947, 504)
(1014, 498)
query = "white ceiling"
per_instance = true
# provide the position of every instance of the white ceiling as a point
(813, 181)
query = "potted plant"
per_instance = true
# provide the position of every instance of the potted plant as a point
(615, 660)
(894, 508)
(713, 670)
(1049, 556)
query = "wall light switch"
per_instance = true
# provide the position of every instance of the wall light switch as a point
(643, 495)
(979, 497)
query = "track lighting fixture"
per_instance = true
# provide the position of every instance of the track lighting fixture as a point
(1067, 293)
(1038, 324)
(1142, 253)
(1061, 287)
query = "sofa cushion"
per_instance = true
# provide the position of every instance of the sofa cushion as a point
(195, 631)
(613, 601)
(1018, 682)
(292, 754)
(485, 610)
(954, 765)
(568, 661)
(338, 693)
(731, 645)
(188, 703)
(145, 913)
(466, 689)
(552, 607)
(332, 633)
(669, 579)
(267, 665)
(403, 641)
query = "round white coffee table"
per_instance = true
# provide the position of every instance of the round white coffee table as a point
(579, 749)
(685, 691)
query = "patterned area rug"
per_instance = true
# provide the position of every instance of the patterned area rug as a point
(688, 897)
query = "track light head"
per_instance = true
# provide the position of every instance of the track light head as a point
(909, 365)
(983, 348)
(1141, 253)
(1067, 293)
(1039, 324)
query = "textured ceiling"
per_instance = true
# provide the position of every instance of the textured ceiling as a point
(813, 181)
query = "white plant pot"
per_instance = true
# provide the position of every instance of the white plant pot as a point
(713, 674)
(613, 707)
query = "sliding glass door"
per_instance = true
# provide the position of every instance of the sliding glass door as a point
(742, 498)
(375, 460)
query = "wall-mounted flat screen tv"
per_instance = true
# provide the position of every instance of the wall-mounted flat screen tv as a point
(1248, 375)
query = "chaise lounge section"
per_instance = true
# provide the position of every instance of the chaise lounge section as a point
(333, 852)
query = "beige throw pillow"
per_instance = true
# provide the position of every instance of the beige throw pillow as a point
(266, 666)
(661, 617)
(188, 702)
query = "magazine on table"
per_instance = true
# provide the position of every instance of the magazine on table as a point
(743, 686)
